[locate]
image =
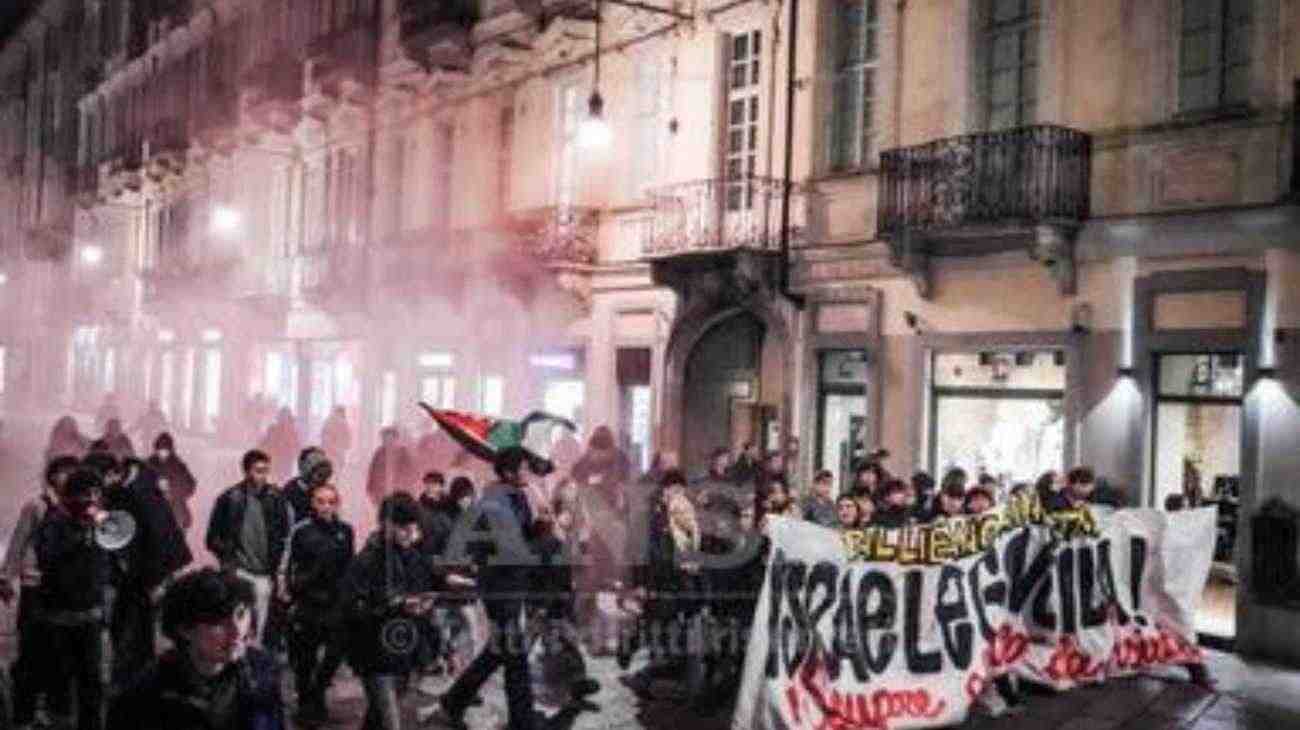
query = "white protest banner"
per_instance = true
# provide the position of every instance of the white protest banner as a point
(905, 628)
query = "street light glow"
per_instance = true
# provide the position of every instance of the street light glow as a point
(92, 255)
(594, 132)
(225, 219)
(4, 278)
(166, 336)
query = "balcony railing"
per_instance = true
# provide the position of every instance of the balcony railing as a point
(706, 216)
(1018, 177)
(557, 235)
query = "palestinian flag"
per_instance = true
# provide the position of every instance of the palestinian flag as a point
(470, 430)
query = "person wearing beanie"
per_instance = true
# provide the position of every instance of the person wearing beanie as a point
(979, 499)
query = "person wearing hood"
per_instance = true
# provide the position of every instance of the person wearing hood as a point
(174, 478)
(391, 468)
(314, 469)
(320, 551)
(116, 440)
(336, 437)
(66, 440)
(281, 442)
(151, 423)
(602, 474)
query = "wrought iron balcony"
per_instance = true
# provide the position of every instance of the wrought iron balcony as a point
(272, 94)
(983, 193)
(707, 216)
(557, 235)
(977, 182)
(342, 65)
(122, 172)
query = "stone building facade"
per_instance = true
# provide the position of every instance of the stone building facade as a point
(1003, 234)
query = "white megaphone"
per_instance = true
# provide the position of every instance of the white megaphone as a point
(116, 531)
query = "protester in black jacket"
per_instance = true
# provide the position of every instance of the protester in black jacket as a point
(248, 532)
(320, 553)
(75, 580)
(385, 594)
(211, 678)
(314, 469)
(437, 514)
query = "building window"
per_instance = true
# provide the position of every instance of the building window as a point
(744, 54)
(645, 130)
(572, 110)
(855, 51)
(1214, 54)
(1011, 66)
(1000, 413)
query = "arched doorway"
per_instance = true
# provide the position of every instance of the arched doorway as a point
(733, 389)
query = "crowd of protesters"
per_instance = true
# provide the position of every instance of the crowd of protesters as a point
(469, 568)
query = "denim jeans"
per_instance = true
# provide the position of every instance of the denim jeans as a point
(262, 588)
(508, 647)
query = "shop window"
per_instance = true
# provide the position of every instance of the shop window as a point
(1197, 437)
(841, 411)
(998, 412)
(635, 403)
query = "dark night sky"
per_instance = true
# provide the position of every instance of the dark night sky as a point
(11, 12)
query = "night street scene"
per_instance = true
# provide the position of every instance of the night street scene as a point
(649, 364)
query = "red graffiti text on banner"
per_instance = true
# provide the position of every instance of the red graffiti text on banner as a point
(1005, 649)
(1068, 663)
(834, 710)
(1136, 650)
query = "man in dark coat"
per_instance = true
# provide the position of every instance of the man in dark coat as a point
(248, 532)
(385, 594)
(212, 678)
(73, 596)
(504, 579)
(157, 550)
(320, 552)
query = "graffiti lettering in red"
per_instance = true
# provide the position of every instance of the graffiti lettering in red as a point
(1006, 648)
(854, 711)
(1068, 663)
(1135, 650)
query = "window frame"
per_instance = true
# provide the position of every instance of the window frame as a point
(1219, 66)
(864, 136)
(750, 95)
(1028, 25)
